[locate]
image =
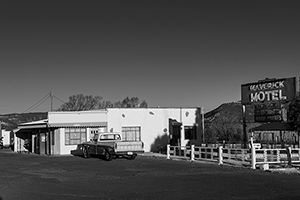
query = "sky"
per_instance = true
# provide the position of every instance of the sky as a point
(169, 53)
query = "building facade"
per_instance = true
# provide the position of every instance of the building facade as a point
(6, 138)
(156, 127)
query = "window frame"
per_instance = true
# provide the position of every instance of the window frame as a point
(71, 137)
(135, 132)
(190, 133)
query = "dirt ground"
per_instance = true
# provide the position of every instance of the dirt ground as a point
(25, 177)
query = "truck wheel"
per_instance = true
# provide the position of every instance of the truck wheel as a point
(86, 153)
(132, 157)
(108, 156)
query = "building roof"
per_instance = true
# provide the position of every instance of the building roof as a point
(275, 126)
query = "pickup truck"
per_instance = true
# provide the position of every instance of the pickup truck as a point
(110, 145)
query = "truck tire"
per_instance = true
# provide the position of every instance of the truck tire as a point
(107, 156)
(132, 157)
(86, 152)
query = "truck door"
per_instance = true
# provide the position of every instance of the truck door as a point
(93, 148)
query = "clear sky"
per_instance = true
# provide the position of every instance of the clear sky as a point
(170, 53)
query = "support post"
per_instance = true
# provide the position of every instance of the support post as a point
(220, 155)
(32, 143)
(168, 151)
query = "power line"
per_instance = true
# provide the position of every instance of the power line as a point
(42, 100)
(37, 103)
(58, 99)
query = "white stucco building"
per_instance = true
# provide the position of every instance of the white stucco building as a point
(156, 127)
(6, 137)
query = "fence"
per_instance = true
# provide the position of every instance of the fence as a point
(275, 156)
(236, 156)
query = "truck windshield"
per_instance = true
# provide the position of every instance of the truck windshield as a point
(110, 137)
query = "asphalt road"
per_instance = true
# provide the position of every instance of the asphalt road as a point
(25, 177)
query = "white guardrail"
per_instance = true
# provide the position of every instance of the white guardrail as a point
(237, 156)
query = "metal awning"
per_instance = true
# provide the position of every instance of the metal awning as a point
(32, 125)
(174, 122)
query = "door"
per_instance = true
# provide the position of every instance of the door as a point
(175, 132)
(42, 149)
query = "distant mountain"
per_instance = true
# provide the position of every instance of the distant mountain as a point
(11, 121)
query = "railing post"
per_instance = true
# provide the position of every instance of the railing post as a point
(220, 155)
(265, 156)
(253, 157)
(168, 151)
(289, 156)
(179, 151)
(192, 153)
(243, 155)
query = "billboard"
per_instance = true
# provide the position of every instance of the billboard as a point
(269, 90)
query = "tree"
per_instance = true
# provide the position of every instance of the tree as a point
(143, 104)
(81, 102)
(294, 113)
(106, 104)
(132, 102)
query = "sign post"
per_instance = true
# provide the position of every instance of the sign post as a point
(245, 140)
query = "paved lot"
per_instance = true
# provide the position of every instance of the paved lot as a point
(25, 176)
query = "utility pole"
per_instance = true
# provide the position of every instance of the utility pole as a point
(203, 129)
(51, 102)
(0, 129)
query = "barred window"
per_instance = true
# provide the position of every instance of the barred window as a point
(75, 136)
(190, 133)
(131, 133)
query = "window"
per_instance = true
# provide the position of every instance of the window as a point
(75, 136)
(131, 133)
(190, 133)
(93, 132)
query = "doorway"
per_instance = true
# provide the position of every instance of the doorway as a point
(175, 132)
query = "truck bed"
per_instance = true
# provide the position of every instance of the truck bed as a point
(132, 146)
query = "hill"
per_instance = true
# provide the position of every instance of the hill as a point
(226, 122)
(11, 121)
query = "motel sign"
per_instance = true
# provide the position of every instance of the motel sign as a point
(269, 90)
(268, 97)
